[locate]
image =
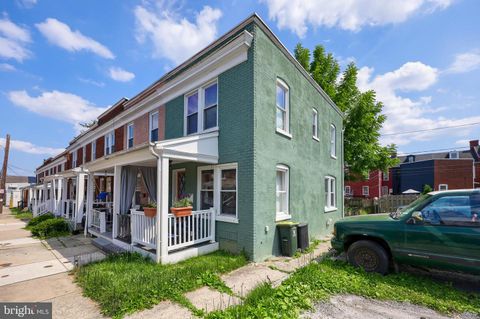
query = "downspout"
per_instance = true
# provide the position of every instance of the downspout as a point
(151, 147)
(343, 172)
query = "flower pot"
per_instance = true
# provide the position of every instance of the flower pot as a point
(150, 211)
(181, 211)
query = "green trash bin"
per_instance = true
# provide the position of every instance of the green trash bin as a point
(288, 238)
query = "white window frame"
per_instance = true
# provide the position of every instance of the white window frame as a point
(386, 176)
(110, 137)
(454, 155)
(94, 150)
(410, 159)
(217, 174)
(74, 159)
(315, 125)
(367, 193)
(333, 141)
(130, 125)
(282, 131)
(283, 215)
(150, 126)
(329, 206)
(348, 190)
(384, 193)
(444, 186)
(200, 109)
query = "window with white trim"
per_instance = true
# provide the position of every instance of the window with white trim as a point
(453, 155)
(330, 193)
(333, 141)
(201, 109)
(442, 187)
(282, 107)
(228, 192)
(384, 190)
(282, 192)
(154, 127)
(206, 188)
(348, 190)
(109, 143)
(315, 124)
(385, 176)
(130, 135)
(74, 159)
(94, 150)
(365, 190)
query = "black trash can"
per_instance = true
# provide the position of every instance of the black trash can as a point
(288, 238)
(302, 235)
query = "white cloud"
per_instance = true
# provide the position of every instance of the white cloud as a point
(60, 34)
(58, 105)
(28, 4)
(5, 67)
(174, 37)
(464, 143)
(352, 15)
(27, 147)
(13, 40)
(465, 62)
(407, 114)
(92, 82)
(121, 75)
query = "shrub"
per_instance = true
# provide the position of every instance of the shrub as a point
(37, 220)
(52, 227)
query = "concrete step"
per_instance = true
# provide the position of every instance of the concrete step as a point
(107, 246)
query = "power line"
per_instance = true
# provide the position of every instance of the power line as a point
(434, 150)
(431, 129)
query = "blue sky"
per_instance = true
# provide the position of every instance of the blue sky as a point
(64, 62)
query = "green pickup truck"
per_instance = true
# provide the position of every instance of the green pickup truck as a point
(438, 230)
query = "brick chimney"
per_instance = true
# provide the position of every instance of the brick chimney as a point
(473, 143)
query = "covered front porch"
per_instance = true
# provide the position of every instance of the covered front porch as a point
(143, 176)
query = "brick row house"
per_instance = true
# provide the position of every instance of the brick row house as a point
(441, 171)
(236, 127)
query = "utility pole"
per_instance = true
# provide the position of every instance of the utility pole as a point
(4, 173)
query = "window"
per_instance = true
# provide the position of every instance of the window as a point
(315, 124)
(201, 109)
(454, 155)
(365, 190)
(109, 143)
(154, 127)
(410, 158)
(455, 210)
(94, 150)
(348, 190)
(74, 159)
(228, 192)
(218, 188)
(330, 191)
(206, 189)
(282, 193)
(130, 135)
(282, 107)
(442, 187)
(385, 176)
(333, 141)
(384, 190)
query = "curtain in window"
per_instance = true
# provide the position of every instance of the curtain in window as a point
(150, 178)
(128, 182)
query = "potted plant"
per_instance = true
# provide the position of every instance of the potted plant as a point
(150, 210)
(183, 206)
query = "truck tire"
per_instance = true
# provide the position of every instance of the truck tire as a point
(368, 255)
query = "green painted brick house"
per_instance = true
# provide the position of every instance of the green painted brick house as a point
(241, 126)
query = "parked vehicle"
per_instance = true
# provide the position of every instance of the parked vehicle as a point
(438, 230)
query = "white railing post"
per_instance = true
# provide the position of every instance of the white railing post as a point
(103, 223)
(212, 224)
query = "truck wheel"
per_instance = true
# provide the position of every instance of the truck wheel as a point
(368, 255)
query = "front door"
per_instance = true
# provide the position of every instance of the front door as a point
(446, 234)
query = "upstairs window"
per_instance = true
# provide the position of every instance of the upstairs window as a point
(109, 143)
(94, 150)
(333, 141)
(365, 190)
(454, 155)
(154, 127)
(330, 193)
(201, 109)
(443, 187)
(315, 124)
(130, 135)
(282, 107)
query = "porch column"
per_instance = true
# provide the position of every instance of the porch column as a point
(117, 177)
(45, 195)
(162, 209)
(53, 197)
(90, 190)
(58, 197)
(79, 201)
(30, 195)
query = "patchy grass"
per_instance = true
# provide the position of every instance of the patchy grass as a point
(52, 227)
(319, 281)
(129, 282)
(18, 213)
(37, 220)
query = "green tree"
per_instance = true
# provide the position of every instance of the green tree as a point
(363, 113)
(427, 189)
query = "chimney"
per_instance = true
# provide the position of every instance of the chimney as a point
(473, 143)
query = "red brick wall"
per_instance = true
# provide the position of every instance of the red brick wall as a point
(140, 130)
(88, 152)
(457, 174)
(374, 184)
(119, 139)
(80, 156)
(477, 175)
(100, 147)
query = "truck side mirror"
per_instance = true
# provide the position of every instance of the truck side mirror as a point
(416, 218)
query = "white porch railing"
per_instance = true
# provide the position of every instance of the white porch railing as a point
(98, 220)
(143, 229)
(190, 230)
(68, 208)
(42, 208)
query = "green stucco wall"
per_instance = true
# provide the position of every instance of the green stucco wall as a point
(309, 160)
